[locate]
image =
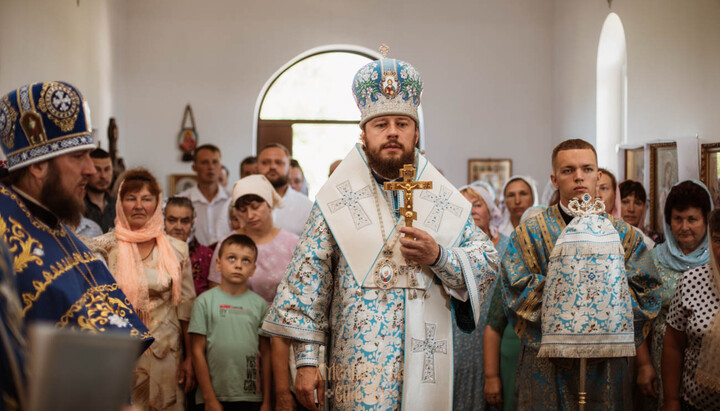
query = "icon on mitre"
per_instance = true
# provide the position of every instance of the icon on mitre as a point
(389, 86)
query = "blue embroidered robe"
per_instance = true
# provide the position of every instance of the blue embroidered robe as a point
(13, 347)
(545, 384)
(58, 278)
(320, 301)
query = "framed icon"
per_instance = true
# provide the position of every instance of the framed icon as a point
(710, 169)
(181, 182)
(495, 171)
(663, 176)
(634, 164)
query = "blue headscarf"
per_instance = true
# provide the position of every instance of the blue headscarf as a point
(669, 253)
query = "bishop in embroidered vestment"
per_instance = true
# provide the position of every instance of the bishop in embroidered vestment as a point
(378, 301)
(45, 136)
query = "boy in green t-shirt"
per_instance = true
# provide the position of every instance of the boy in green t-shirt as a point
(225, 335)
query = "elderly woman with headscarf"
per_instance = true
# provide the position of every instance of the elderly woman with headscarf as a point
(691, 352)
(153, 270)
(686, 247)
(468, 361)
(518, 194)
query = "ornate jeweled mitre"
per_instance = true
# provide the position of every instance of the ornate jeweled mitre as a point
(387, 87)
(43, 120)
(587, 311)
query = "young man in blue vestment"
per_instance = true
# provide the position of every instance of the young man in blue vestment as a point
(379, 301)
(552, 384)
(45, 136)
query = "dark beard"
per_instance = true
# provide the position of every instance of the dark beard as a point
(280, 182)
(389, 169)
(65, 206)
(94, 189)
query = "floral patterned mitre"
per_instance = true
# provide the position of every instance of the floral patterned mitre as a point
(387, 87)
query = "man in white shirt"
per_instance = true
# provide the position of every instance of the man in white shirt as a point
(210, 200)
(274, 163)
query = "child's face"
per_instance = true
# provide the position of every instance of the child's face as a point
(235, 221)
(236, 264)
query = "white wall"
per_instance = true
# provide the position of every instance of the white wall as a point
(486, 66)
(57, 40)
(503, 79)
(673, 51)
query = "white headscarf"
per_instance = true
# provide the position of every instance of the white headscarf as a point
(495, 215)
(258, 185)
(506, 226)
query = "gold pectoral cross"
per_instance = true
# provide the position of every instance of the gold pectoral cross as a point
(408, 186)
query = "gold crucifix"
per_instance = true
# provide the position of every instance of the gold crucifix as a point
(408, 186)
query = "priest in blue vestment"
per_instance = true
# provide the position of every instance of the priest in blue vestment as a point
(552, 384)
(45, 134)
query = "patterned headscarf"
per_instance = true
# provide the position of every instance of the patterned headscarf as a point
(669, 253)
(130, 273)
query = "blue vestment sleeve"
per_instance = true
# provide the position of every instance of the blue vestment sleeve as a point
(522, 285)
(301, 307)
(643, 280)
(475, 247)
(470, 265)
(306, 354)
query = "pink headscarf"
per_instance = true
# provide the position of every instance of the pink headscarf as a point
(130, 273)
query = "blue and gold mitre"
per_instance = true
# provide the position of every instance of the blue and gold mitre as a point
(41, 121)
(387, 87)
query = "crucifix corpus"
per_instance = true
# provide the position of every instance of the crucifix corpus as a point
(408, 186)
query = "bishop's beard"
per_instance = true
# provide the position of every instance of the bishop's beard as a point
(65, 205)
(388, 168)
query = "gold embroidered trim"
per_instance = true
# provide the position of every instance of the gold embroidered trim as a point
(9, 116)
(100, 307)
(56, 270)
(16, 238)
(526, 248)
(35, 222)
(61, 104)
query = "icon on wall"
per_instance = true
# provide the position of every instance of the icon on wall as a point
(187, 138)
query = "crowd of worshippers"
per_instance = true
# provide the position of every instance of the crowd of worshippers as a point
(212, 246)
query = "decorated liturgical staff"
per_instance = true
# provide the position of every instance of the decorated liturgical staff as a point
(45, 136)
(580, 293)
(375, 291)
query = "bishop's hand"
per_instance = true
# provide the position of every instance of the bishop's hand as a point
(307, 380)
(418, 246)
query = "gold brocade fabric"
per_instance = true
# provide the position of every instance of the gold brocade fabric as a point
(155, 385)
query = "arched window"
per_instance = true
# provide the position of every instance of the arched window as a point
(308, 106)
(611, 91)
